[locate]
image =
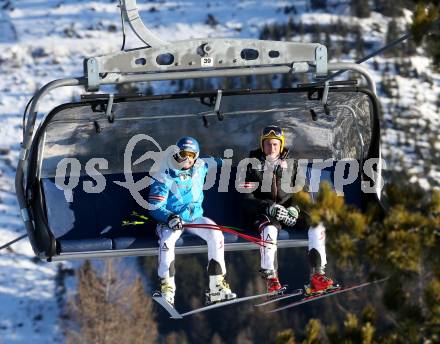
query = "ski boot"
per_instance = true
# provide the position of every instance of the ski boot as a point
(272, 282)
(219, 290)
(319, 284)
(168, 289)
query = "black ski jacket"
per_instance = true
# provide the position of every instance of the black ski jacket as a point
(256, 203)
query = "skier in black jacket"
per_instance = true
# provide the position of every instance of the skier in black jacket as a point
(268, 200)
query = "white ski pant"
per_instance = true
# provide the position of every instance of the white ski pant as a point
(270, 234)
(269, 251)
(168, 238)
(317, 241)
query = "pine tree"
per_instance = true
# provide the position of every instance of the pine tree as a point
(392, 34)
(285, 337)
(313, 331)
(318, 4)
(426, 28)
(360, 8)
(401, 243)
(390, 8)
(359, 43)
(328, 41)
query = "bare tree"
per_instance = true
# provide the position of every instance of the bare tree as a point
(108, 309)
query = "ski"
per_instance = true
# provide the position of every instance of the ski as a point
(325, 294)
(166, 305)
(174, 314)
(280, 297)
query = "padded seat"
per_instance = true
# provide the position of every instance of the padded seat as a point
(124, 243)
(85, 245)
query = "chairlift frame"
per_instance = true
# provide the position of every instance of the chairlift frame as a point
(195, 58)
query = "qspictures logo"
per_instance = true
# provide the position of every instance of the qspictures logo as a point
(308, 173)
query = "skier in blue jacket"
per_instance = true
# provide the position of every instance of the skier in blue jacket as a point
(176, 196)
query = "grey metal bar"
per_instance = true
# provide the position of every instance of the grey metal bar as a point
(117, 78)
(27, 140)
(179, 250)
(131, 14)
(206, 53)
(357, 68)
(35, 102)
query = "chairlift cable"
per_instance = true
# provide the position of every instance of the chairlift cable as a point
(13, 241)
(369, 56)
(374, 53)
(386, 47)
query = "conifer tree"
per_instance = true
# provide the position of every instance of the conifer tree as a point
(285, 337)
(426, 28)
(401, 243)
(392, 34)
(318, 4)
(360, 8)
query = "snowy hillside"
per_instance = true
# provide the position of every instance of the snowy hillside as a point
(45, 40)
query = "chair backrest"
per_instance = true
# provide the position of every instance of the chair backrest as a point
(94, 221)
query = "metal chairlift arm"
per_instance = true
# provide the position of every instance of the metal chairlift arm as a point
(221, 57)
(131, 14)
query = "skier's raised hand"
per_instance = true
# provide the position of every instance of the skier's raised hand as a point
(278, 212)
(175, 222)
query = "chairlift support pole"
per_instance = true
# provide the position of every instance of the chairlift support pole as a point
(131, 15)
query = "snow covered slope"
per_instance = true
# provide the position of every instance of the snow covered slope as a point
(45, 40)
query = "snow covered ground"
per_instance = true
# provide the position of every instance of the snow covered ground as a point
(45, 40)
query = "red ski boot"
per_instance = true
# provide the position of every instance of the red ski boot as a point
(319, 283)
(273, 285)
(272, 282)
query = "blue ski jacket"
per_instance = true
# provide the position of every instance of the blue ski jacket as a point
(178, 192)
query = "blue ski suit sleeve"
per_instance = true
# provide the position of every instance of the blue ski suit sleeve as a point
(158, 197)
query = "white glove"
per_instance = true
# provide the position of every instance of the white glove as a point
(278, 212)
(175, 222)
(292, 216)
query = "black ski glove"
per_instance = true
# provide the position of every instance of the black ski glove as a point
(278, 212)
(175, 222)
(292, 216)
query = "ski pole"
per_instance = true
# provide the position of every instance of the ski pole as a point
(226, 229)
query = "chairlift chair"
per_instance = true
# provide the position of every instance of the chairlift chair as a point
(323, 120)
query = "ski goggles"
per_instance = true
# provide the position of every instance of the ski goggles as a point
(186, 154)
(272, 130)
